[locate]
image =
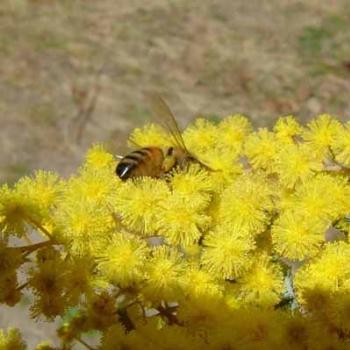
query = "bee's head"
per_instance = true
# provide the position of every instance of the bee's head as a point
(173, 156)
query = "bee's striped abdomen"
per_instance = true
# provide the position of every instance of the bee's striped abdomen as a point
(143, 162)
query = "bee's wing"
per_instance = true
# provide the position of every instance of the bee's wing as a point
(165, 118)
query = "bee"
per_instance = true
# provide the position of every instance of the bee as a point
(155, 161)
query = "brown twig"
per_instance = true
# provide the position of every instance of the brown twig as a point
(27, 249)
(39, 226)
(22, 286)
(81, 341)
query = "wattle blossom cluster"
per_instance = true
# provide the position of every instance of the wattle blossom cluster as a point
(252, 254)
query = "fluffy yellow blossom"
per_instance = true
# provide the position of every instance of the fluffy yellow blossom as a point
(115, 338)
(162, 274)
(98, 158)
(232, 132)
(47, 282)
(221, 164)
(176, 337)
(200, 136)
(227, 252)
(203, 313)
(295, 332)
(30, 201)
(323, 196)
(339, 311)
(183, 219)
(150, 135)
(246, 204)
(261, 148)
(263, 284)
(123, 259)
(42, 190)
(11, 340)
(137, 203)
(93, 186)
(197, 282)
(287, 129)
(341, 145)
(45, 345)
(13, 211)
(295, 163)
(233, 256)
(296, 236)
(320, 133)
(84, 226)
(259, 329)
(329, 272)
(192, 183)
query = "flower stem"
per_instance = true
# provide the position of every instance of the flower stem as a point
(22, 286)
(32, 247)
(81, 341)
(39, 226)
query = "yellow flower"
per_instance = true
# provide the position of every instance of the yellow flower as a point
(42, 190)
(200, 136)
(329, 272)
(296, 162)
(196, 282)
(123, 259)
(246, 204)
(32, 199)
(321, 132)
(224, 164)
(262, 285)
(195, 182)
(296, 332)
(98, 158)
(298, 237)
(94, 186)
(261, 148)
(12, 340)
(162, 274)
(341, 145)
(138, 204)
(47, 281)
(182, 219)
(83, 226)
(150, 135)
(259, 329)
(203, 313)
(232, 132)
(13, 212)
(287, 129)
(226, 253)
(323, 196)
(339, 311)
(45, 345)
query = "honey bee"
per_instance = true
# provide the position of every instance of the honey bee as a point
(155, 161)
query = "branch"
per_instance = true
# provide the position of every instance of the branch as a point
(39, 226)
(81, 341)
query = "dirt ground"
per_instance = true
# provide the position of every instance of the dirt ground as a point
(73, 73)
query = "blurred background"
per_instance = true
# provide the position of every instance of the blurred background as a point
(76, 72)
